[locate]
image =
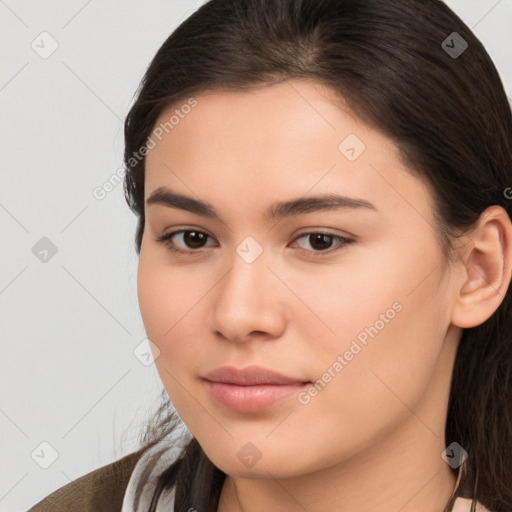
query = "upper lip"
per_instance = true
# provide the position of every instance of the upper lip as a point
(249, 376)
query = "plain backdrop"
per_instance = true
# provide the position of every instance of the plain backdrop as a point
(75, 387)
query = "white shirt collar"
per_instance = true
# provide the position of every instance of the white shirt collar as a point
(152, 463)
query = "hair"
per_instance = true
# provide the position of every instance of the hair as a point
(449, 117)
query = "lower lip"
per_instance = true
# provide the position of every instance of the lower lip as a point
(251, 398)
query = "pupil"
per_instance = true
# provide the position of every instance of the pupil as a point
(189, 239)
(320, 237)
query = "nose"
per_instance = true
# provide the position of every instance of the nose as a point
(248, 302)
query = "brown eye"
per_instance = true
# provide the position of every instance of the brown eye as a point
(322, 242)
(191, 239)
(194, 239)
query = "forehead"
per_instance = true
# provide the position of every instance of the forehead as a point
(281, 140)
(267, 118)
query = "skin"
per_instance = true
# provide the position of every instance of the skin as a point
(372, 438)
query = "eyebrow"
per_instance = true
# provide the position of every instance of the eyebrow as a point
(325, 202)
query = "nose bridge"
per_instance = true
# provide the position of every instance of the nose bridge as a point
(242, 285)
(245, 299)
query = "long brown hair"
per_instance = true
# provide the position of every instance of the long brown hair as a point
(401, 68)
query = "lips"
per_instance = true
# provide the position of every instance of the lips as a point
(250, 376)
(252, 389)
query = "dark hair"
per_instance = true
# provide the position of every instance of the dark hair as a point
(450, 118)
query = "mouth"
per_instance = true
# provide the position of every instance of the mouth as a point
(251, 389)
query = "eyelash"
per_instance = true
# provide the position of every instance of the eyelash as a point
(171, 246)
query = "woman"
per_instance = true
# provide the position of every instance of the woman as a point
(323, 200)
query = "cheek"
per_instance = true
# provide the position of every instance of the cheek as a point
(389, 340)
(167, 300)
(385, 308)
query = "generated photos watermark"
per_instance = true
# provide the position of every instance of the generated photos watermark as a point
(304, 397)
(100, 192)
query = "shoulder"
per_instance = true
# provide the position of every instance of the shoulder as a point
(101, 490)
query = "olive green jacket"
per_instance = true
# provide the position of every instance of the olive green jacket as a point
(101, 490)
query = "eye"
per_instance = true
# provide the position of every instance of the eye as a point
(323, 241)
(191, 237)
(195, 239)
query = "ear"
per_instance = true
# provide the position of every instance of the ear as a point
(486, 264)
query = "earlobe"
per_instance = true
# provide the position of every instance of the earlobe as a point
(487, 262)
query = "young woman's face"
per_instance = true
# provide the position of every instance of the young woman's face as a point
(362, 312)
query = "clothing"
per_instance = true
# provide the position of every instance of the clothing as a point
(164, 453)
(101, 490)
(112, 488)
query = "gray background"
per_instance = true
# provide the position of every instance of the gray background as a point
(70, 324)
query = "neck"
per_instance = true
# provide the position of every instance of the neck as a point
(401, 475)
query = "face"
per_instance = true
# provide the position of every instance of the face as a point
(350, 297)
